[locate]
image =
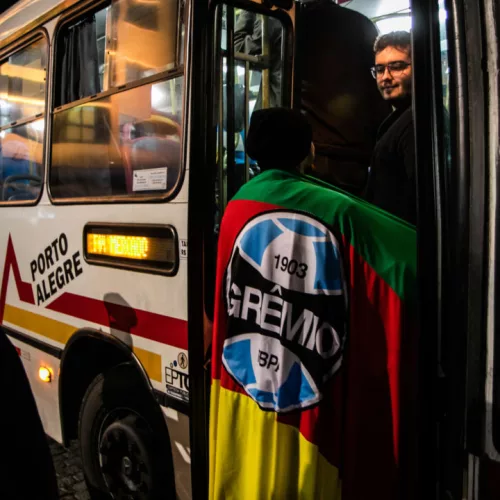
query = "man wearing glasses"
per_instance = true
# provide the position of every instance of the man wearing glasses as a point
(391, 184)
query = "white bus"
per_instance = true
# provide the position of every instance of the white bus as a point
(115, 167)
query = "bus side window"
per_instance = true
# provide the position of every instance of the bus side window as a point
(117, 128)
(22, 124)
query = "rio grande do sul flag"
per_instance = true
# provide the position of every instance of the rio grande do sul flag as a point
(315, 295)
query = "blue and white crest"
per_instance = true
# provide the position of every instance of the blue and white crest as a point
(272, 376)
(286, 310)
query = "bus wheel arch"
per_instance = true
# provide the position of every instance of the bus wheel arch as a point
(88, 358)
(86, 354)
(124, 442)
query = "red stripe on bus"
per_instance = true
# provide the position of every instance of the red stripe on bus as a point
(24, 289)
(18, 351)
(149, 325)
(146, 324)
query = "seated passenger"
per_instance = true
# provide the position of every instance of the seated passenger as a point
(391, 184)
(15, 160)
(15, 156)
(302, 271)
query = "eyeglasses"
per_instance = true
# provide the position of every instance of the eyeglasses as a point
(393, 67)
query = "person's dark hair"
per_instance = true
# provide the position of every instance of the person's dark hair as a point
(399, 39)
(278, 138)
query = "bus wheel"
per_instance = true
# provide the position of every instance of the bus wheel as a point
(123, 442)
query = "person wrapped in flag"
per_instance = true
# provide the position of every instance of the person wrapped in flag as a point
(314, 296)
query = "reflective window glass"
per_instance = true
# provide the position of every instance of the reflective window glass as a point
(143, 41)
(128, 143)
(127, 41)
(22, 83)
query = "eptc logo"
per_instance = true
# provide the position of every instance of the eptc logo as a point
(286, 305)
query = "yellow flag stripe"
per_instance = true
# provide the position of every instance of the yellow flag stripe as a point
(254, 457)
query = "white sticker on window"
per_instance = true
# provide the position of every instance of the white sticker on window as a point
(150, 179)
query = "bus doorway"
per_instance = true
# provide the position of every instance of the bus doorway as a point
(448, 104)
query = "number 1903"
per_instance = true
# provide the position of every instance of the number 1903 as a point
(291, 266)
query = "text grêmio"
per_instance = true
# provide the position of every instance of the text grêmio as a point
(272, 313)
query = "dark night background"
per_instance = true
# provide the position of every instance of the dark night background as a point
(5, 4)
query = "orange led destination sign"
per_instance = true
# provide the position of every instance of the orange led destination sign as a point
(130, 247)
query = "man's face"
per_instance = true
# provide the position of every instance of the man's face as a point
(394, 84)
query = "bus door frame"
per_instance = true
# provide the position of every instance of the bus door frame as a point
(201, 144)
(451, 238)
(197, 72)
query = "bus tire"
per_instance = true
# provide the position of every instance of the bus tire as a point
(123, 441)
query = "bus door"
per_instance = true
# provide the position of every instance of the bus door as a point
(454, 422)
(482, 360)
(458, 398)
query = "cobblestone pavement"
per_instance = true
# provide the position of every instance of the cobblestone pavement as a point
(69, 473)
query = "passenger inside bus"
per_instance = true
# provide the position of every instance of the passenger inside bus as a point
(21, 163)
(391, 184)
(276, 247)
(248, 37)
(337, 92)
(348, 111)
(22, 91)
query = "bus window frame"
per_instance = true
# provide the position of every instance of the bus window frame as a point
(74, 15)
(213, 116)
(18, 45)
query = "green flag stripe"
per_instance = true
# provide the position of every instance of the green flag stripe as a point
(385, 242)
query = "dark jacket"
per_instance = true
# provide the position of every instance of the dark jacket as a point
(392, 176)
(27, 469)
(339, 95)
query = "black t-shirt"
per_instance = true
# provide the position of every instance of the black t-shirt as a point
(391, 185)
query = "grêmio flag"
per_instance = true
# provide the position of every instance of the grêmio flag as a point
(313, 344)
